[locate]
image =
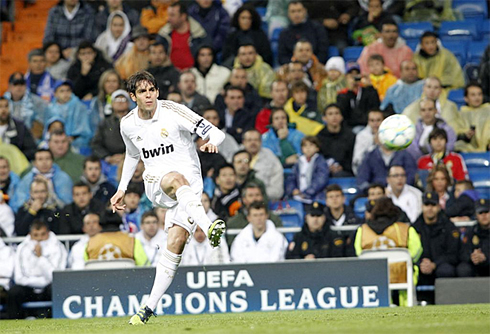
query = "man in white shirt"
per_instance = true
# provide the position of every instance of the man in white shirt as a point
(37, 257)
(259, 241)
(366, 139)
(200, 253)
(91, 226)
(160, 134)
(406, 197)
(152, 237)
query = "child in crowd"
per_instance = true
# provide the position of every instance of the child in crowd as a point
(439, 155)
(309, 177)
(226, 194)
(462, 208)
(334, 82)
(131, 218)
(380, 77)
(297, 104)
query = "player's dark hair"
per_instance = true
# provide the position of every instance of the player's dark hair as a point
(438, 133)
(257, 205)
(91, 158)
(471, 84)
(81, 184)
(138, 77)
(148, 214)
(334, 187)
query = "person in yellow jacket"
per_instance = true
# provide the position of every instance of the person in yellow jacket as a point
(379, 76)
(112, 243)
(433, 59)
(154, 16)
(384, 231)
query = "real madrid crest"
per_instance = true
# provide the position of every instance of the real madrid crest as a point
(164, 133)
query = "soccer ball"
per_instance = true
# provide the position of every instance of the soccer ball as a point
(396, 132)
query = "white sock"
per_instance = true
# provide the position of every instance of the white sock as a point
(165, 272)
(192, 205)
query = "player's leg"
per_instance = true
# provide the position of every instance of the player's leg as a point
(177, 187)
(165, 272)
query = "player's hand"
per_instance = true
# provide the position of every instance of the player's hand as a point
(117, 201)
(210, 148)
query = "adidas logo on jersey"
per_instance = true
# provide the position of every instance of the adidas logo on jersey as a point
(162, 150)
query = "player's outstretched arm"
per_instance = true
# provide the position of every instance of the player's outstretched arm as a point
(117, 201)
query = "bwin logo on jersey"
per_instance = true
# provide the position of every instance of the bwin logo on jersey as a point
(157, 151)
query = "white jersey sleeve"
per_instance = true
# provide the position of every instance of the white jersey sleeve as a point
(130, 161)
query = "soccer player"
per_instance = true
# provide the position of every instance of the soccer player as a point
(159, 132)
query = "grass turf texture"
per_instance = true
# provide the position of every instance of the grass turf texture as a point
(430, 319)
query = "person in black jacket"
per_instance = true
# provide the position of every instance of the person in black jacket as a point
(337, 212)
(162, 69)
(16, 132)
(462, 207)
(86, 71)
(316, 240)
(102, 190)
(71, 217)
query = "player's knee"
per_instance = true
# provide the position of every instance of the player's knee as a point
(173, 181)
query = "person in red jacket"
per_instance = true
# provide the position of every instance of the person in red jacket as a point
(453, 161)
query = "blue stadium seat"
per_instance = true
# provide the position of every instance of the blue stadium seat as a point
(412, 44)
(484, 191)
(479, 175)
(471, 9)
(352, 53)
(411, 31)
(261, 11)
(458, 48)
(360, 206)
(458, 31)
(485, 30)
(348, 185)
(333, 51)
(275, 43)
(457, 96)
(477, 159)
(475, 51)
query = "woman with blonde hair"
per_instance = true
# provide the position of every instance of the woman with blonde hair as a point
(100, 106)
(440, 181)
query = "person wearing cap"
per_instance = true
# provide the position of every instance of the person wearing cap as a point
(356, 99)
(162, 69)
(24, 105)
(136, 58)
(115, 40)
(333, 83)
(107, 143)
(38, 80)
(86, 70)
(441, 245)
(316, 240)
(476, 245)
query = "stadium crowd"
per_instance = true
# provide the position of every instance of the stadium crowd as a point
(299, 120)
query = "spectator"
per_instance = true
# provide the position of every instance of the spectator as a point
(100, 106)
(26, 106)
(408, 198)
(225, 200)
(183, 34)
(59, 183)
(381, 79)
(440, 243)
(174, 96)
(115, 40)
(246, 25)
(37, 257)
(309, 176)
(69, 23)
(265, 163)
(337, 212)
(191, 98)
(91, 226)
(210, 77)
(131, 217)
(112, 6)
(367, 26)
(282, 138)
(86, 71)
(393, 7)
(376, 191)
(259, 241)
(390, 46)
(316, 240)
(374, 168)
(213, 18)
(337, 142)
(72, 215)
(301, 27)
(237, 119)
(68, 107)
(122, 244)
(439, 154)
(406, 90)
(277, 15)
(279, 94)
(293, 72)
(473, 96)
(228, 146)
(137, 58)
(71, 163)
(477, 246)
(439, 181)
(198, 252)
(433, 59)
(366, 139)
(8, 179)
(484, 73)
(56, 64)
(155, 16)
(38, 80)
(107, 143)
(210, 162)
(461, 207)
(425, 125)
(302, 102)
(101, 189)
(356, 100)
(246, 175)
(260, 74)
(152, 238)
(162, 69)
(13, 131)
(333, 83)
(7, 256)
(447, 110)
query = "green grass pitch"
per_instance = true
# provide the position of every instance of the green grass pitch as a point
(460, 319)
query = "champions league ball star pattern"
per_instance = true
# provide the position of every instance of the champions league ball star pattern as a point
(396, 132)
